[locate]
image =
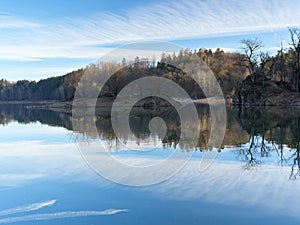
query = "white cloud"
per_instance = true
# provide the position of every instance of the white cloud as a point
(27, 161)
(9, 21)
(224, 182)
(77, 37)
(60, 215)
(228, 183)
(27, 208)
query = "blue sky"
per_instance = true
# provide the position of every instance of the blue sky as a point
(39, 39)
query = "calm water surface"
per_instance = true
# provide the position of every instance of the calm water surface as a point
(254, 179)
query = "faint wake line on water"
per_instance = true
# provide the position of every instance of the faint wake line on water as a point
(27, 208)
(60, 215)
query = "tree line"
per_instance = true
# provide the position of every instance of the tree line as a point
(229, 69)
(224, 65)
(283, 67)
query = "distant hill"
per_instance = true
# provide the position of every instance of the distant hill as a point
(226, 67)
(58, 88)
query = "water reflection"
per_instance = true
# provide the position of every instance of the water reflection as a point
(274, 132)
(139, 124)
(261, 135)
(265, 142)
(24, 114)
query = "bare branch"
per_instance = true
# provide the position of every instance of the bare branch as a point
(251, 47)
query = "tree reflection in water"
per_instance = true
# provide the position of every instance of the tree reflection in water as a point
(257, 135)
(274, 131)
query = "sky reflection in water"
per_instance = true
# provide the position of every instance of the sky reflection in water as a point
(43, 177)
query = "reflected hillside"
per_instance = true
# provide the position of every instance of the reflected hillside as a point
(139, 123)
(23, 114)
(274, 124)
(140, 118)
(235, 135)
(265, 131)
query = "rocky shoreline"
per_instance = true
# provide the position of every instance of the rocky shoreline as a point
(265, 93)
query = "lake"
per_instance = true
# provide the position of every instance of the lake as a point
(46, 176)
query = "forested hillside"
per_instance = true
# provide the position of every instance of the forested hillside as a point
(55, 88)
(280, 71)
(226, 66)
(229, 69)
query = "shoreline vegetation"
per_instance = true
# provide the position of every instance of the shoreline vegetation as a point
(62, 88)
(250, 78)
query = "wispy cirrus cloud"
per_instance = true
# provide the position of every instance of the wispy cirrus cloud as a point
(60, 215)
(10, 21)
(27, 208)
(171, 20)
(92, 36)
(183, 20)
(49, 216)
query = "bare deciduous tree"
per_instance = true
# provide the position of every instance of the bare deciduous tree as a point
(251, 48)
